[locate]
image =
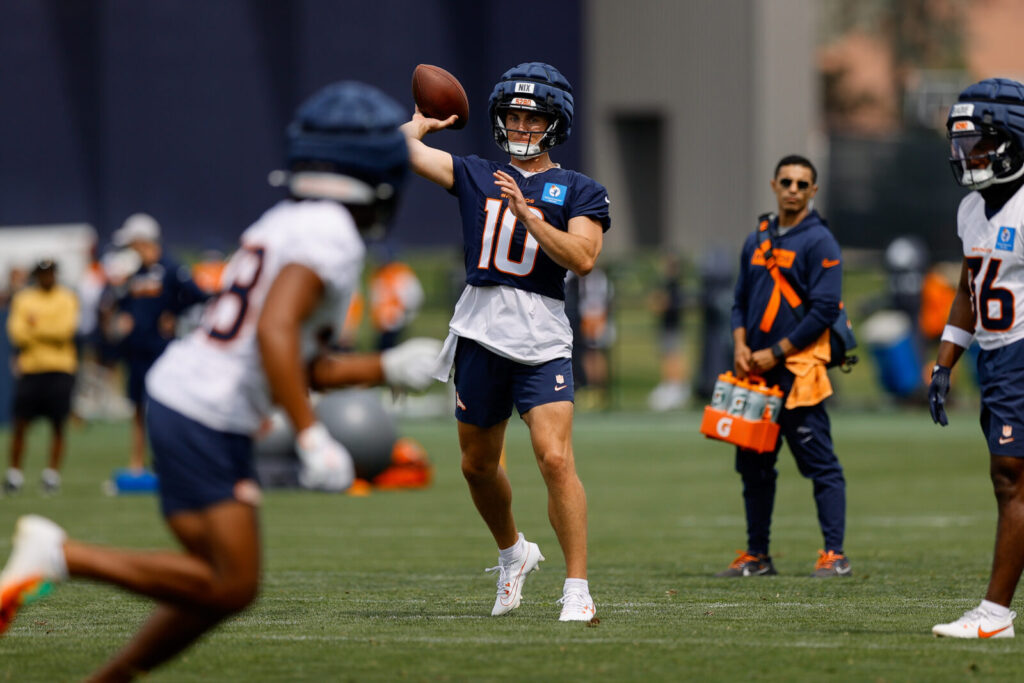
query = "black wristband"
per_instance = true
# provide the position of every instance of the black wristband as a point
(778, 352)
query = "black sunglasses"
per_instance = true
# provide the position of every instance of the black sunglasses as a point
(800, 184)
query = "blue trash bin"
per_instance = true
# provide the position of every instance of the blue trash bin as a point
(890, 337)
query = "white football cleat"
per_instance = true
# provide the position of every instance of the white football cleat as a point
(36, 562)
(576, 606)
(977, 623)
(511, 577)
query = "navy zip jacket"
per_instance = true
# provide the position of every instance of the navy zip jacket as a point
(809, 258)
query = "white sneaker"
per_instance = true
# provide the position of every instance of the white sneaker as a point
(977, 623)
(36, 562)
(50, 481)
(511, 577)
(13, 480)
(576, 606)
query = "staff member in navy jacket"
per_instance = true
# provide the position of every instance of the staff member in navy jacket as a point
(787, 295)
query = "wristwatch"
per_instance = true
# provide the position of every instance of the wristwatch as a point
(777, 351)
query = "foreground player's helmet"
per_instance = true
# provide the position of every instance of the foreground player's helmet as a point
(986, 133)
(345, 144)
(538, 87)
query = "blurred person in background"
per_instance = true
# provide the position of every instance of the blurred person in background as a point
(787, 296)
(986, 134)
(209, 392)
(593, 335)
(396, 296)
(147, 309)
(41, 326)
(667, 302)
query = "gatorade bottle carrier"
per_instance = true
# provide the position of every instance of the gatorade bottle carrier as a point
(735, 422)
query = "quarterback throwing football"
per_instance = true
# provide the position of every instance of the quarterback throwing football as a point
(525, 222)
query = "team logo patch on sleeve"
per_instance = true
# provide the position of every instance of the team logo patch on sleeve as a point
(554, 193)
(1006, 240)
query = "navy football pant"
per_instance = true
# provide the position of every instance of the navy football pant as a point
(808, 434)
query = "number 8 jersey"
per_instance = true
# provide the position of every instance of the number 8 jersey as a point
(215, 374)
(515, 302)
(994, 254)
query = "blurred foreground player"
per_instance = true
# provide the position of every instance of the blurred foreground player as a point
(42, 326)
(293, 275)
(524, 224)
(986, 134)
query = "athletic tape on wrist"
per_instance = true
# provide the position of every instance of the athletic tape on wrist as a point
(957, 335)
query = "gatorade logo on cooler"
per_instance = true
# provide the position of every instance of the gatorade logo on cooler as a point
(724, 427)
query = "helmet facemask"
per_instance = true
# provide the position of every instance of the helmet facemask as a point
(983, 156)
(536, 142)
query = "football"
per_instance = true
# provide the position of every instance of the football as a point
(438, 94)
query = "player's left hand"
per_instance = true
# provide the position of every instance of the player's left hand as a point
(410, 366)
(937, 392)
(510, 191)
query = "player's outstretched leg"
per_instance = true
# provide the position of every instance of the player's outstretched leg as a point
(979, 622)
(514, 565)
(36, 562)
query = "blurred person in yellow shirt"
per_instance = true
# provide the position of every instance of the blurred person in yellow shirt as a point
(41, 326)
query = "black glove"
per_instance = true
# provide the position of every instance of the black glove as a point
(937, 391)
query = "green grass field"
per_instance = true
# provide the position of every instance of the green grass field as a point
(391, 587)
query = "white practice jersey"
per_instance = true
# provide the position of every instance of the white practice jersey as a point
(994, 252)
(215, 374)
(523, 326)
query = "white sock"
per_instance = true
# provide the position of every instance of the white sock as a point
(514, 551)
(576, 585)
(997, 611)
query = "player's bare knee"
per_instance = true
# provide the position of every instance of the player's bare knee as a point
(234, 595)
(557, 464)
(478, 469)
(1007, 482)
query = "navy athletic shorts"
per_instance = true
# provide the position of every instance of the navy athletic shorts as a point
(1001, 376)
(487, 385)
(196, 466)
(43, 394)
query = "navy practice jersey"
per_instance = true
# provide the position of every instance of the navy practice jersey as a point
(151, 291)
(809, 258)
(498, 250)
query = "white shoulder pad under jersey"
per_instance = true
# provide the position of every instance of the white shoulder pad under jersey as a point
(215, 375)
(994, 253)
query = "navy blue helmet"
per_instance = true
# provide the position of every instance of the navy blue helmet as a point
(986, 133)
(345, 144)
(536, 87)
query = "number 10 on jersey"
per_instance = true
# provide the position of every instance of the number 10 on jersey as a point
(503, 260)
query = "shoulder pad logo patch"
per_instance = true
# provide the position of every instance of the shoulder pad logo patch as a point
(554, 193)
(1007, 238)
